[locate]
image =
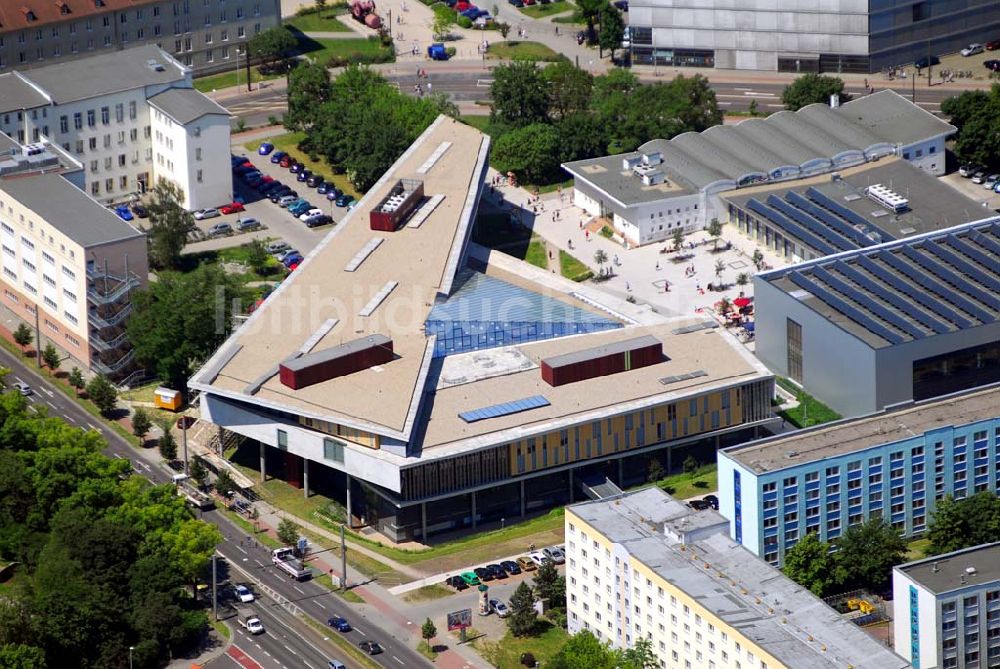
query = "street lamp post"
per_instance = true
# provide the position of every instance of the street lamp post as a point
(130, 649)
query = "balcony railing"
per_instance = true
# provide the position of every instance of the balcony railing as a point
(101, 322)
(114, 367)
(101, 345)
(97, 297)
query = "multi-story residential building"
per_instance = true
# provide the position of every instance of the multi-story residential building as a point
(947, 610)
(645, 566)
(427, 396)
(69, 264)
(834, 36)
(205, 35)
(895, 464)
(130, 117)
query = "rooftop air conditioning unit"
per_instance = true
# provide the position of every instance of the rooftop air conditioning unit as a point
(652, 158)
(652, 178)
(630, 163)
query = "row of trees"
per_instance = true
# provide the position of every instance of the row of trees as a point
(357, 122)
(976, 114)
(103, 557)
(543, 117)
(864, 555)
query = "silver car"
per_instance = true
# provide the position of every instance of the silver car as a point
(202, 214)
(555, 554)
(287, 200)
(277, 247)
(220, 229)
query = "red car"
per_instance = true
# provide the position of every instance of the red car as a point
(287, 161)
(993, 45)
(231, 208)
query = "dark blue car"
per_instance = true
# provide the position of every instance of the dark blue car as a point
(292, 259)
(339, 624)
(277, 156)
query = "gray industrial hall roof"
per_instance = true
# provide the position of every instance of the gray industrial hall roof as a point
(872, 125)
(185, 105)
(933, 205)
(773, 612)
(68, 209)
(17, 94)
(607, 173)
(111, 72)
(951, 571)
(898, 292)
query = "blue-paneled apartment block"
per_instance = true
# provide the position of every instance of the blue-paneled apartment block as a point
(896, 464)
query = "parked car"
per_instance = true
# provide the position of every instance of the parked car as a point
(237, 160)
(296, 167)
(323, 188)
(457, 583)
(497, 571)
(297, 210)
(713, 501)
(510, 567)
(303, 176)
(927, 61)
(993, 65)
(276, 194)
(23, 388)
(287, 161)
(202, 214)
(123, 213)
(972, 50)
(277, 156)
(265, 148)
(247, 224)
(539, 558)
(263, 183)
(339, 624)
(316, 221)
(993, 45)
(314, 180)
(996, 189)
(621, 5)
(220, 229)
(276, 247)
(243, 593)
(310, 213)
(243, 168)
(271, 187)
(231, 208)
(287, 200)
(370, 647)
(499, 608)
(484, 574)
(555, 554)
(699, 504)
(292, 261)
(979, 177)
(526, 564)
(333, 193)
(516, 3)
(251, 174)
(285, 252)
(344, 200)
(966, 170)
(140, 211)
(991, 181)
(470, 578)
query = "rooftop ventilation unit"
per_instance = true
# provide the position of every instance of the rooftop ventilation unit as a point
(650, 175)
(888, 198)
(654, 158)
(330, 363)
(613, 358)
(629, 163)
(155, 65)
(402, 199)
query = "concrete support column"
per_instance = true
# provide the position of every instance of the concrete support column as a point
(350, 516)
(522, 498)
(621, 472)
(669, 458)
(263, 464)
(570, 486)
(474, 509)
(305, 477)
(423, 522)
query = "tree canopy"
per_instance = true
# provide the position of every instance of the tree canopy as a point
(531, 152)
(958, 524)
(169, 225)
(976, 114)
(810, 564)
(308, 90)
(103, 556)
(519, 94)
(812, 88)
(273, 47)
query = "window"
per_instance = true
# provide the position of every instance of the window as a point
(283, 439)
(131, 110)
(106, 112)
(793, 335)
(333, 449)
(64, 124)
(91, 118)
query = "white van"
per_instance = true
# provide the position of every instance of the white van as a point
(336, 664)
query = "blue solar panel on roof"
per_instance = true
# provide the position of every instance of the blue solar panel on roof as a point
(892, 298)
(966, 267)
(868, 303)
(986, 241)
(504, 409)
(862, 319)
(794, 229)
(934, 283)
(952, 277)
(847, 230)
(965, 246)
(811, 224)
(842, 211)
(923, 298)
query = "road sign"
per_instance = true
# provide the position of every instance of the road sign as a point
(458, 620)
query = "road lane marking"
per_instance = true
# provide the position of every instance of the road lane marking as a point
(51, 405)
(47, 392)
(398, 660)
(94, 427)
(299, 589)
(240, 548)
(258, 562)
(290, 650)
(70, 419)
(320, 606)
(361, 632)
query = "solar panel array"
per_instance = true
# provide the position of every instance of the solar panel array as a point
(913, 289)
(818, 221)
(504, 409)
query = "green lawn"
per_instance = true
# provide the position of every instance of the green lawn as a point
(540, 11)
(506, 653)
(575, 18)
(324, 21)
(220, 627)
(479, 122)
(682, 486)
(536, 253)
(427, 593)
(522, 51)
(810, 410)
(548, 188)
(228, 78)
(366, 50)
(573, 269)
(917, 549)
(289, 143)
(272, 271)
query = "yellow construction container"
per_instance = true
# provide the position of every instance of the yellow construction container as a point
(165, 398)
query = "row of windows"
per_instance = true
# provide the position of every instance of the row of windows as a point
(31, 226)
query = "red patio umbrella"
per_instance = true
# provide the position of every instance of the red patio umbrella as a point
(741, 302)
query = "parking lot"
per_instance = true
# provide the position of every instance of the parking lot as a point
(988, 198)
(276, 223)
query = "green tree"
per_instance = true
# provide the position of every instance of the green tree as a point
(714, 229)
(545, 580)
(811, 89)
(441, 23)
(76, 379)
(957, 524)
(199, 472)
(531, 152)
(867, 552)
(428, 631)
(810, 564)
(141, 424)
(23, 336)
(690, 464)
(522, 618)
(590, 10)
(639, 655)
(612, 31)
(967, 106)
(720, 267)
(169, 225)
(519, 94)
(102, 393)
(308, 89)
(742, 279)
(181, 319)
(21, 656)
(224, 483)
(757, 258)
(288, 532)
(167, 444)
(677, 239)
(655, 470)
(257, 256)
(584, 650)
(753, 109)
(272, 48)
(581, 136)
(724, 306)
(50, 356)
(600, 257)
(504, 28)
(568, 88)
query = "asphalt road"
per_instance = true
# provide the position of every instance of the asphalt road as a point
(308, 597)
(255, 108)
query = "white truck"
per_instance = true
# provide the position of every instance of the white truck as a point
(285, 560)
(252, 624)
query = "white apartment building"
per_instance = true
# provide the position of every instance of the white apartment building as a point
(69, 265)
(947, 609)
(130, 117)
(644, 565)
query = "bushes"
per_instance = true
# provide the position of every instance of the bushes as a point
(378, 52)
(464, 22)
